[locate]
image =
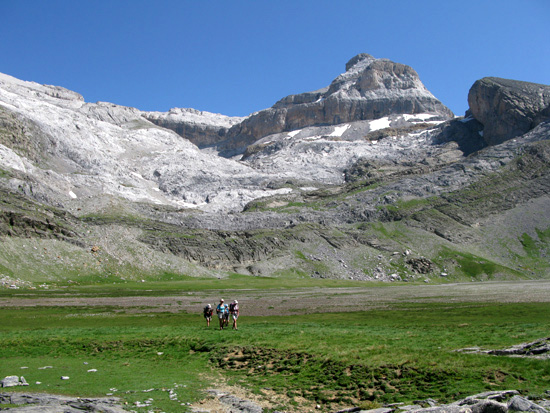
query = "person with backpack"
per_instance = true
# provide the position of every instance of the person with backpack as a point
(226, 315)
(234, 311)
(220, 311)
(207, 312)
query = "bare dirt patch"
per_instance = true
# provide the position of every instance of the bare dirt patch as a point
(280, 302)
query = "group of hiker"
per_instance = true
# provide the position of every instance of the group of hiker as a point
(224, 312)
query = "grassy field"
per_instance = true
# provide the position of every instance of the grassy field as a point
(404, 351)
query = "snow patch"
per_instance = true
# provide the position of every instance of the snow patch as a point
(72, 195)
(421, 116)
(378, 124)
(293, 133)
(339, 130)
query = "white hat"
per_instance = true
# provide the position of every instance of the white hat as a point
(209, 306)
(236, 302)
(221, 299)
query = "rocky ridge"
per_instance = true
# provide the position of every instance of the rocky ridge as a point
(88, 150)
(508, 108)
(369, 89)
(315, 194)
(204, 129)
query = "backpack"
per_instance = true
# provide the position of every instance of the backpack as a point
(207, 311)
(232, 307)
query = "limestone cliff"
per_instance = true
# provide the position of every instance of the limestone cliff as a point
(201, 128)
(508, 108)
(369, 89)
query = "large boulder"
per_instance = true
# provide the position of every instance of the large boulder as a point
(521, 404)
(369, 89)
(508, 108)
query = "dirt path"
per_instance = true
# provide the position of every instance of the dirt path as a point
(308, 300)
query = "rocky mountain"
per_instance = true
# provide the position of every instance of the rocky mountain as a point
(508, 108)
(370, 178)
(369, 89)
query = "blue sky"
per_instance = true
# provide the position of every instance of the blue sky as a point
(236, 57)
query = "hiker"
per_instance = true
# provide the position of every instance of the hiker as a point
(226, 315)
(220, 310)
(207, 311)
(234, 311)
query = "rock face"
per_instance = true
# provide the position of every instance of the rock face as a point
(508, 108)
(379, 148)
(201, 128)
(72, 151)
(369, 89)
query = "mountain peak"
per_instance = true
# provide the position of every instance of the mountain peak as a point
(369, 89)
(360, 58)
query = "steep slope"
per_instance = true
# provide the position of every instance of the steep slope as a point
(508, 108)
(73, 151)
(97, 191)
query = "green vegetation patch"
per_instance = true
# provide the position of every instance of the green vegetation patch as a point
(474, 266)
(534, 247)
(400, 354)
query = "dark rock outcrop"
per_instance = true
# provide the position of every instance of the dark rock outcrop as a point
(508, 108)
(22, 218)
(204, 129)
(369, 89)
(200, 135)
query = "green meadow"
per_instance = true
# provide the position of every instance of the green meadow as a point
(401, 353)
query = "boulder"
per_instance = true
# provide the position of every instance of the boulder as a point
(446, 409)
(421, 265)
(508, 108)
(539, 348)
(489, 406)
(521, 404)
(9, 381)
(50, 403)
(236, 404)
(498, 395)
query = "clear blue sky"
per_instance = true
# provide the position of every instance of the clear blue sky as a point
(235, 57)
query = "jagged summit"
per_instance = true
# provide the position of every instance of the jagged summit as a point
(360, 58)
(369, 89)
